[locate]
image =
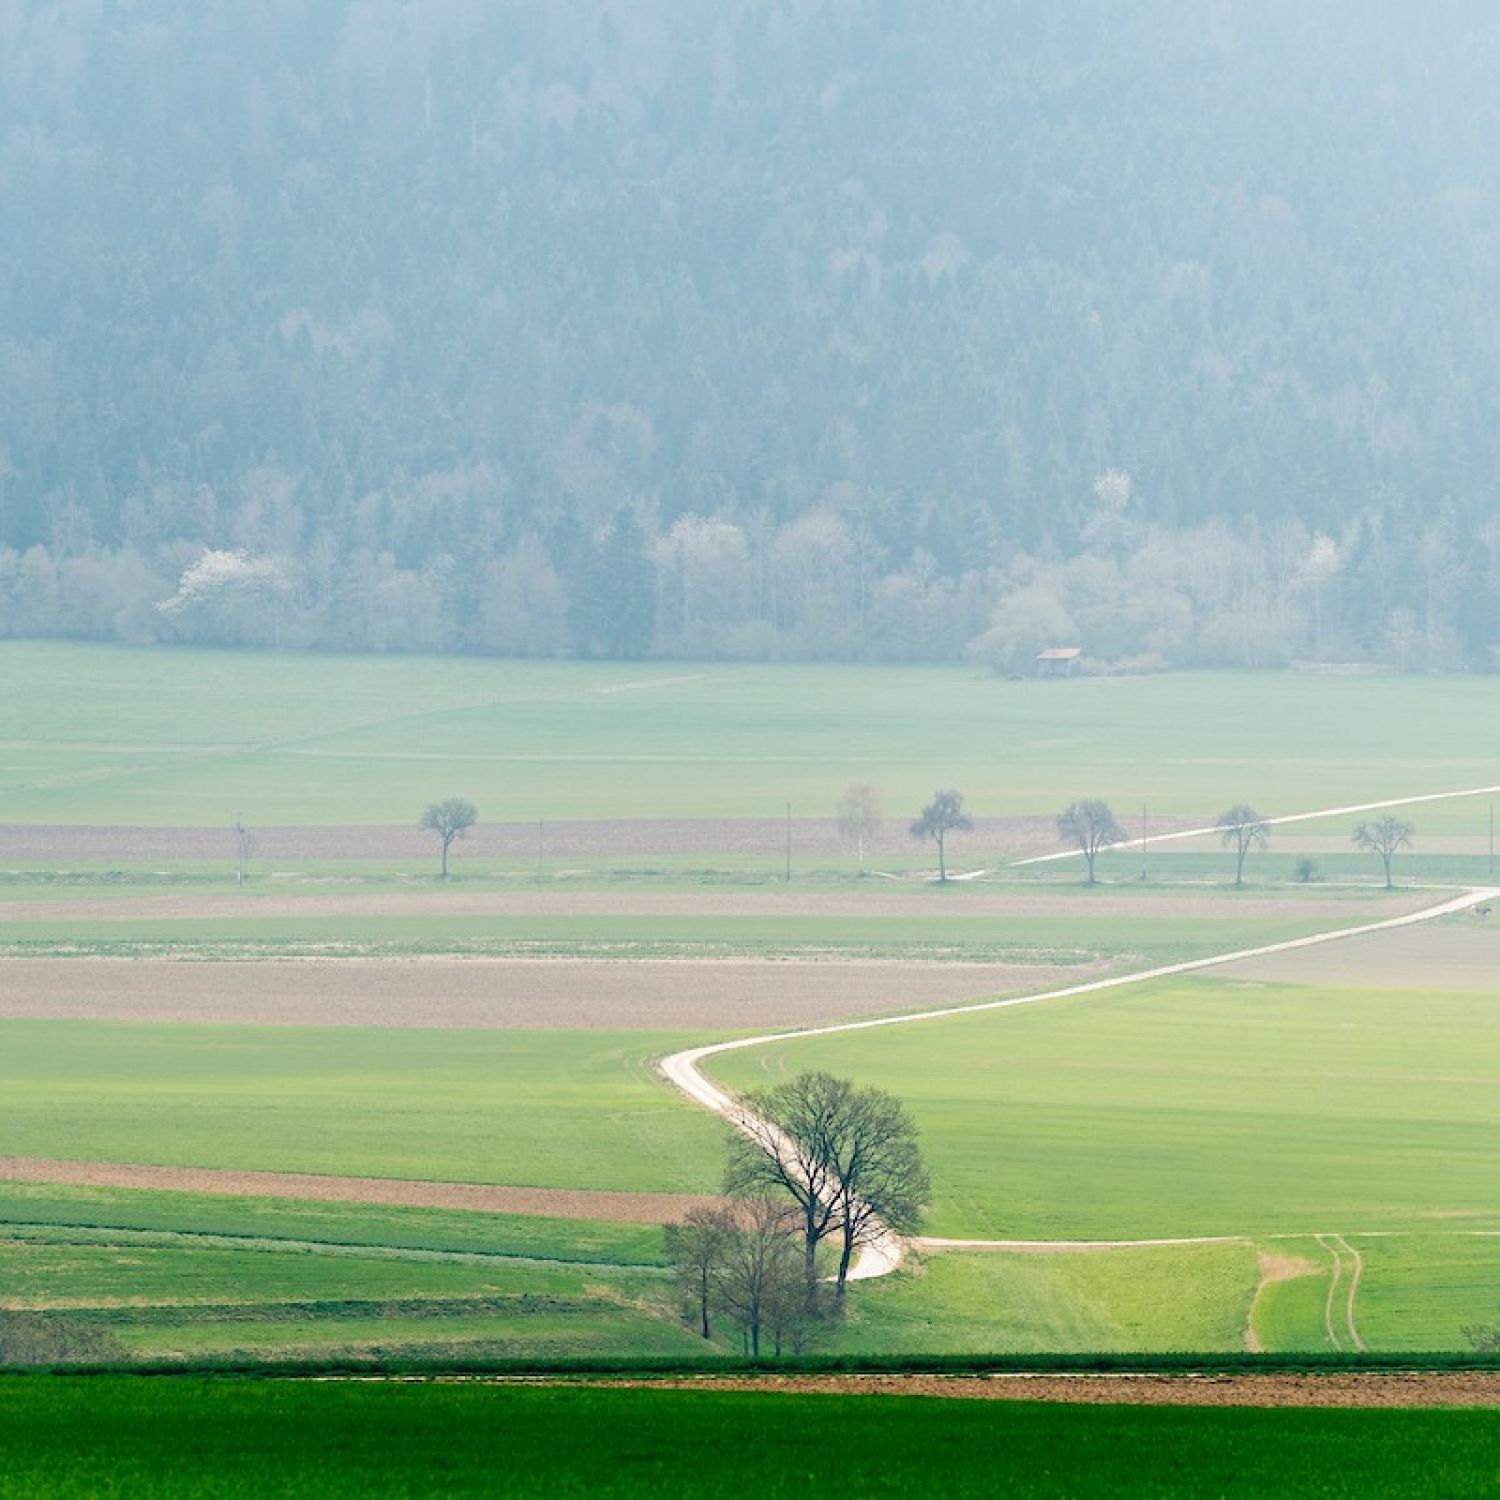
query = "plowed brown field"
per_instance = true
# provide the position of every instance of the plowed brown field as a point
(529, 994)
(556, 1203)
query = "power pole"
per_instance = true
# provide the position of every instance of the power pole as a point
(789, 843)
(1492, 841)
(241, 850)
(1144, 825)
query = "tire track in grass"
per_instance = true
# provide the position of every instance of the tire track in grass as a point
(1333, 1285)
(1357, 1270)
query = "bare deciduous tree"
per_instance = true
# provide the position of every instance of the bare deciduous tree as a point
(450, 819)
(943, 815)
(847, 1157)
(759, 1281)
(1242, 829)
(859, 819)
(1384, 836)
(1090, 825)
(697, 1245)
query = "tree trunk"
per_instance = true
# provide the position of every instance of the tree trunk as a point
(1239, 867)
(444, 875)
(1386, 859)
(942, 862)
(844, 1261)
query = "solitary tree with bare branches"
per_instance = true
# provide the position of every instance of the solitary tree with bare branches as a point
(848, 1158)
(450, 819)
(1242, 829)
(858, 817)
(943, 815)
(696, 1245)
(1091, 826)
(1384, 836)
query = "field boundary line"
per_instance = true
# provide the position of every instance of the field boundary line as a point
(1283, 818)
(682, 1070)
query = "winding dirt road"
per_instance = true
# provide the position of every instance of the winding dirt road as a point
(884, 1254)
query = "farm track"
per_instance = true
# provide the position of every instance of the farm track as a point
(1278, 822)
(1413, 1388)
(884, 1255)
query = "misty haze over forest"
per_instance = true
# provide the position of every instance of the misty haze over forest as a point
(801, 329)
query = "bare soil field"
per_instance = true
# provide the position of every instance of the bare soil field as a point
(1458, 953)
(873, 899)
(516, 994)
(1395, 1389)
(615, 838)
(555, 1203)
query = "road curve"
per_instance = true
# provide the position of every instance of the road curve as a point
(884, 1254)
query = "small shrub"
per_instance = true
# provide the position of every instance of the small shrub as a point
(1483, 1338)
(1307, 870)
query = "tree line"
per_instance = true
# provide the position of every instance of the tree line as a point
(1147, 599)
(1090, 826)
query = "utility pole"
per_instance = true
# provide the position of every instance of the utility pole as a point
(241, 850)
(1144, 826)
(1492, 841)
(789, 843)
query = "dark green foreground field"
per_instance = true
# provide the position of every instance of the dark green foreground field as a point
(144, 1437)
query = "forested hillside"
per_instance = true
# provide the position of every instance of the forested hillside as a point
(847, 328)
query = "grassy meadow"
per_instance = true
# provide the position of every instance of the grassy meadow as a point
(961, 928)
(529, 1109)
(1196, 1106)
(112, 735)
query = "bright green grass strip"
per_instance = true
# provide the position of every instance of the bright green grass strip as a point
(977, 937)
(115, 735)
(1289, 1315)
(55, 1274)
(565, 1109)
(1420, 1291)
(1189, 1297)
(1199, 1106)
(149, 1438)
(586, 1329)
(584, 1241)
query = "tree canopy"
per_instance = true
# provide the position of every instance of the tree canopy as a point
(840, 329)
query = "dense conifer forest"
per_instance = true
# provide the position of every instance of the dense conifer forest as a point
(766, 328)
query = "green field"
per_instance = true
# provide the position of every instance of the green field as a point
(1148, 1299)
(530, 1109)
(1205, 1106)
(48, 1206)
(95, 1437)
(979, 936)
(193, 737)
(1196, 1106)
